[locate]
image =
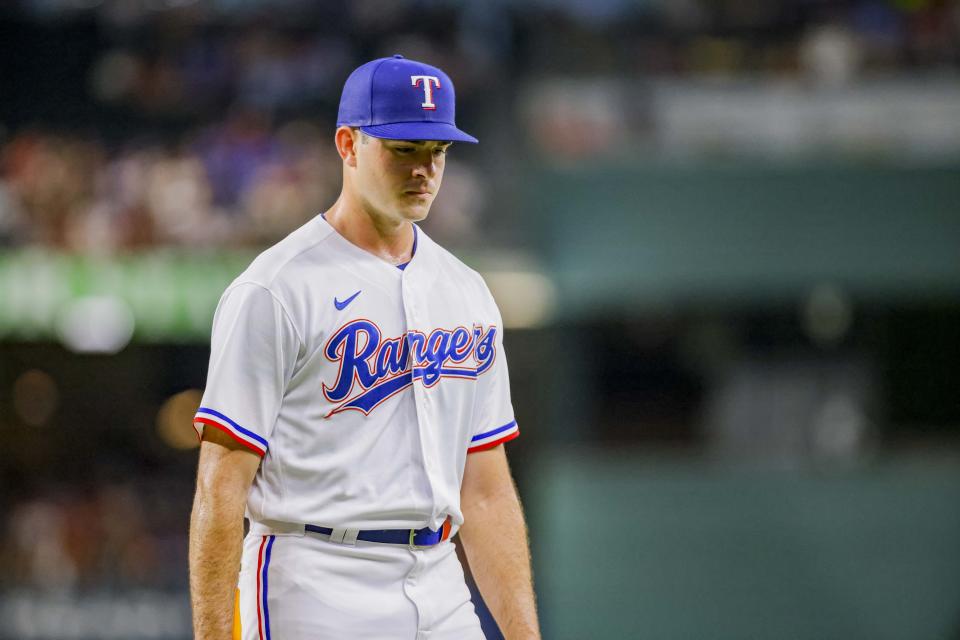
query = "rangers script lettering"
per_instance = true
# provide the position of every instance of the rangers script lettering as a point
(383, 368)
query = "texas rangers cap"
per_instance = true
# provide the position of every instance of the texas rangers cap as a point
(400, 99)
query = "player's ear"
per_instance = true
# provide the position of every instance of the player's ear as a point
(347, 139)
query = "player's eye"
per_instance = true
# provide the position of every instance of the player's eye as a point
(439, 151)
(404, 149)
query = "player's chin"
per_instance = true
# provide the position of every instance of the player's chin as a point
(416, 211)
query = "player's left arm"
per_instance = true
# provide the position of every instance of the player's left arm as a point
(494, 538)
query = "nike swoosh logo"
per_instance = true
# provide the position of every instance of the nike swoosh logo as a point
(343, 305)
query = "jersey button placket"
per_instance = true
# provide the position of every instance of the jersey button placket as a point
(420, 395)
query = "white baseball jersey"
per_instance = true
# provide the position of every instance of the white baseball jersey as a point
(363, 386)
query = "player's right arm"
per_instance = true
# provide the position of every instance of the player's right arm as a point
(224, 475)
(253, 350)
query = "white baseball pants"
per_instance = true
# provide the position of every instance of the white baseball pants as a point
(304, 587)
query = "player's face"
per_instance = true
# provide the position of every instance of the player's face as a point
(400, 178)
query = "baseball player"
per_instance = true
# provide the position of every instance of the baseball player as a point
(356, 403)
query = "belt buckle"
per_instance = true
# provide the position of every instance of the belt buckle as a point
(414, 546)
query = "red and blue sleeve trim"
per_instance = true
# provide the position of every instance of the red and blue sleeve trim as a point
(248, 438)
(494, 437)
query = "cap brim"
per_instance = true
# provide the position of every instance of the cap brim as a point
(418, 131)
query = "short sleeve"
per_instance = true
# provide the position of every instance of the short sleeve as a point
(253, 349)
(495, 422)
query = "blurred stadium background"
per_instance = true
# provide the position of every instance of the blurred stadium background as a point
(725, 236)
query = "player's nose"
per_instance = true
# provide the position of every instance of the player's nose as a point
(425, 168)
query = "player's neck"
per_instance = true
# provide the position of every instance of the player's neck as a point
(389, 240)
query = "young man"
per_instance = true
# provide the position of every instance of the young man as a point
(359, 399)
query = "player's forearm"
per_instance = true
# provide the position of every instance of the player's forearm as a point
(494, 537)
(216, 540)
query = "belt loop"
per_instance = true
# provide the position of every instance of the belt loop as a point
(344, 536)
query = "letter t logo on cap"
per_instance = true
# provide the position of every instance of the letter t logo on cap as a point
(428, 82)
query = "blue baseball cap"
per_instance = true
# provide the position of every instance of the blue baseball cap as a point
(400, 99)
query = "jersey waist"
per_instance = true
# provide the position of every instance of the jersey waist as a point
(277, 527)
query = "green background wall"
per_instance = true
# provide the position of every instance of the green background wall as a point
(634, 547)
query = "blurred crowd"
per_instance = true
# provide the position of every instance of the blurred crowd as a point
(208, 123)
(115, 535)
(237, 182)
(188, 55)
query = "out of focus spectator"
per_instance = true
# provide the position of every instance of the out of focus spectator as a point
(114, 535)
